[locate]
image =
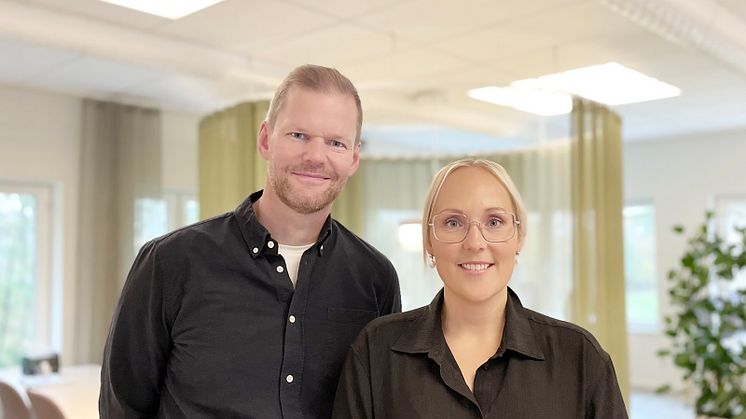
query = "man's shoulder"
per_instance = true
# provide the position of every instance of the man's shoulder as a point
(198, 233)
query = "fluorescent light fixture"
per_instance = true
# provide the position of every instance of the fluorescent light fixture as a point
(610, 84)
(171, 9)
(410, 236)
(528, 99)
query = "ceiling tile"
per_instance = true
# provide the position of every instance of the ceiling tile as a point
(405, 66)
(495, 42)
(333, 46)
(434, 20)
(346, 8)
(102, 11)
(246, 26)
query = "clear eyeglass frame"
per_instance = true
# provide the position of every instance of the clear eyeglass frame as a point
(514, 228)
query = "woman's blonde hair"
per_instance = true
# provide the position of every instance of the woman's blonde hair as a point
(498, 171)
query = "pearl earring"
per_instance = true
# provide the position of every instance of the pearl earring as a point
(430, 260)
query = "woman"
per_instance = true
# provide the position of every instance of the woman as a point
(475, 352)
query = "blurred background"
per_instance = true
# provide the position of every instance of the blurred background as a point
(616, 118)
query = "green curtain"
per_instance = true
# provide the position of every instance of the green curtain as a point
(598, 293)
(349, 207)
(543, 275)
(230, 167)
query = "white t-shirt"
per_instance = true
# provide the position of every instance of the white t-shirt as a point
(292, 255)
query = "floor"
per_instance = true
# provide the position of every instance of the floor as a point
(654, 406)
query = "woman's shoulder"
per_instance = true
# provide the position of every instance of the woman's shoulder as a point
(555, 331)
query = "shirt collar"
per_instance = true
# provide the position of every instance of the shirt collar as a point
(256, 236)
(425, 335)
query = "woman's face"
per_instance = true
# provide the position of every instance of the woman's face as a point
(474, 270)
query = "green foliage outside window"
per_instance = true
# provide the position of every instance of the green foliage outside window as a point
(17, 275)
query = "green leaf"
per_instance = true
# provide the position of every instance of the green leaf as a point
(666, 388)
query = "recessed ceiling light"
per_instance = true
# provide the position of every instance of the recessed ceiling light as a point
(536, 101)
(171, 9)
(610, 83)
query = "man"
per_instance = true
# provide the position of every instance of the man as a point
(250, 314)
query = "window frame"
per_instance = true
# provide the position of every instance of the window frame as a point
(46, 303)
(659, 286)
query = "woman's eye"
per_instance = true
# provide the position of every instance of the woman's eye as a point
(452, 223)
(495, 222)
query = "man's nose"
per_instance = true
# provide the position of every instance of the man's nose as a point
(315, 149)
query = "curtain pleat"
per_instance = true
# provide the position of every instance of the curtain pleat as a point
(598, 301)
(230, 167)
(120, 163)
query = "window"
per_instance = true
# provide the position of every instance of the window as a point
(156, 217)
(25, 274)
(639, 268)
(731, 214)
(397, 234)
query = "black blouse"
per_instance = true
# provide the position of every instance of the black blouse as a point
(400, 367)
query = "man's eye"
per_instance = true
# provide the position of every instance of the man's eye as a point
(338, 144)
(298, 135)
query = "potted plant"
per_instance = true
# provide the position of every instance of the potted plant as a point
(707, 327)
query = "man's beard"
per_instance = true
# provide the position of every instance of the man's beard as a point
(305, 205)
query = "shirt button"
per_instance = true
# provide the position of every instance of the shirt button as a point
(291, 319)
(271, 244)
(280, 269)
(322, 247)
(289, 378)
(255, 250)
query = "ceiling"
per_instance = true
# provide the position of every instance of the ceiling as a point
(413, 60)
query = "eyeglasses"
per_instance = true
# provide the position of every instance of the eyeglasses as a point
(495, 227)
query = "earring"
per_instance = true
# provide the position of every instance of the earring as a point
(517, 252)
(430, 260)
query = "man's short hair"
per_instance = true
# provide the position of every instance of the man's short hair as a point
(318, 79)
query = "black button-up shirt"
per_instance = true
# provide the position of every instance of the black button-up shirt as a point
(209, 325)
(401, 367)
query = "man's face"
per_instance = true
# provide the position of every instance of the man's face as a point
(311, 150)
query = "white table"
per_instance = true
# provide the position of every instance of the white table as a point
(74, 389)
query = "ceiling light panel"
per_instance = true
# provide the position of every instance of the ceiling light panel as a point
(170, 9)
(610, 83)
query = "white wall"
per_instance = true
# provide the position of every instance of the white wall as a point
(40, 143)
(680, 177)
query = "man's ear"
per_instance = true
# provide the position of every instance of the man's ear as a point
(355, 158)
(262, 142)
